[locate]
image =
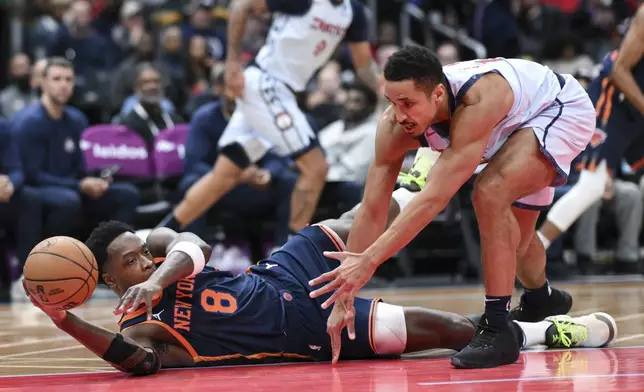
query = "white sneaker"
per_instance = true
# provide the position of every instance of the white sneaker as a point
(594, 330)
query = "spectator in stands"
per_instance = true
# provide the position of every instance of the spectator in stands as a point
(148, 117)
(19, 93)
(199, 64)
(387, 33)
(202, 22)
(48, 134)
(565, 55)
(624, 202)
(123, 80)
(209, 95)
(173, 63)
(47, 29)
(80, 43)
(266, 188)
(325, 102)
(37, 76)
(539, 24)
(384, 52)
(448, 53)
(20, 206)
(131, 29)
(349, 147)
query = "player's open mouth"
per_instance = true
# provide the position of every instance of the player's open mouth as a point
(409, 128)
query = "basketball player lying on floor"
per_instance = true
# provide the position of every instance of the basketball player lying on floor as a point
(180, 313)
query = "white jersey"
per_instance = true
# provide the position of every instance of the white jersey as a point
(535, 88)
(298, 45)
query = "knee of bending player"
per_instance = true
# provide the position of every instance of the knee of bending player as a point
(489, 192)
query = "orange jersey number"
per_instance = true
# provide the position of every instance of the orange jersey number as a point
(213, 301)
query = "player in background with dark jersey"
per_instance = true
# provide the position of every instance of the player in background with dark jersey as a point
(178, 313)
(618, 95)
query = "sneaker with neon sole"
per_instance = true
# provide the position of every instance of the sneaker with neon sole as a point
(594, 330)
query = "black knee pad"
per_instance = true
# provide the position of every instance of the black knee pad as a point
(236, 153)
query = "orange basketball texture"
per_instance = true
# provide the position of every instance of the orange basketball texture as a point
(61, 273)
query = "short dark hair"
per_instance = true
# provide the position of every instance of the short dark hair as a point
(102, 236)
(57, 62)
(415, 63)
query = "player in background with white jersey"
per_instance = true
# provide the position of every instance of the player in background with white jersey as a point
(528, 123)
(303, 36)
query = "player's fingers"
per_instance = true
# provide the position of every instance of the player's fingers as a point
(336, 255)
(337, 282)
(135, 304)
(336, 342)
(350, 317)
(148, 304)
(124, 300)
(334, 297)
(323, 278)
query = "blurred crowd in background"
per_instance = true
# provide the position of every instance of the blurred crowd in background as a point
(154, 65)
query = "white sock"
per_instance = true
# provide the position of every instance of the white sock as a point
(544, 240)
(533, 333)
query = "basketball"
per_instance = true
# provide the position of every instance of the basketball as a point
(61, 273)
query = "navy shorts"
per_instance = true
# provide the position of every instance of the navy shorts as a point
(291, 268)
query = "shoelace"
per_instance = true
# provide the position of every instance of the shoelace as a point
(484, 335)
(569, 333)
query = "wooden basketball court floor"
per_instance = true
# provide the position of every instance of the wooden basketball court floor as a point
(34, 355)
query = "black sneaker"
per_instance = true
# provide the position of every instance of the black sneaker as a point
(559, 302)
(489, 348)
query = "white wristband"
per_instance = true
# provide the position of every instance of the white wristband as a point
(403, 196)
(194, 252)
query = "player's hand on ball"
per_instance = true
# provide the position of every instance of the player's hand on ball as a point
(352, 274)
(144, 293)
(234, 78)
(342, 315)
(57, 316)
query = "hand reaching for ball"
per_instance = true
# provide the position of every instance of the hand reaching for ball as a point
(57, 316)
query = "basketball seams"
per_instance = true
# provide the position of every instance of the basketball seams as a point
(62, 257)
(91, 262)
(55, 280)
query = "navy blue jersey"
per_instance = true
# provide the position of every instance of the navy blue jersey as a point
(220, 318)
(605, 94)
(264, 315)
(620, 126)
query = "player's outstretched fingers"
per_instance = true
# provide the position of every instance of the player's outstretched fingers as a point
(325, 277)
(336, 283)
(336, 295)
(137, 301)
(125, 300)
(148, 304)
(340, 256)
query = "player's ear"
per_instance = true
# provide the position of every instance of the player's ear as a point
(109, 280)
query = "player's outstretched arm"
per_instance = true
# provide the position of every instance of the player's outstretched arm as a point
(119, 351)
(630, 54)
(185, 255)
(371, 216)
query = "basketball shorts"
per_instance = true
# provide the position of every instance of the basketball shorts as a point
(291, 268)
(267, 117)
(563, 130)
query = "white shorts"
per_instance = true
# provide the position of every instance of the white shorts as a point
(268, 117)
(563, 129)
